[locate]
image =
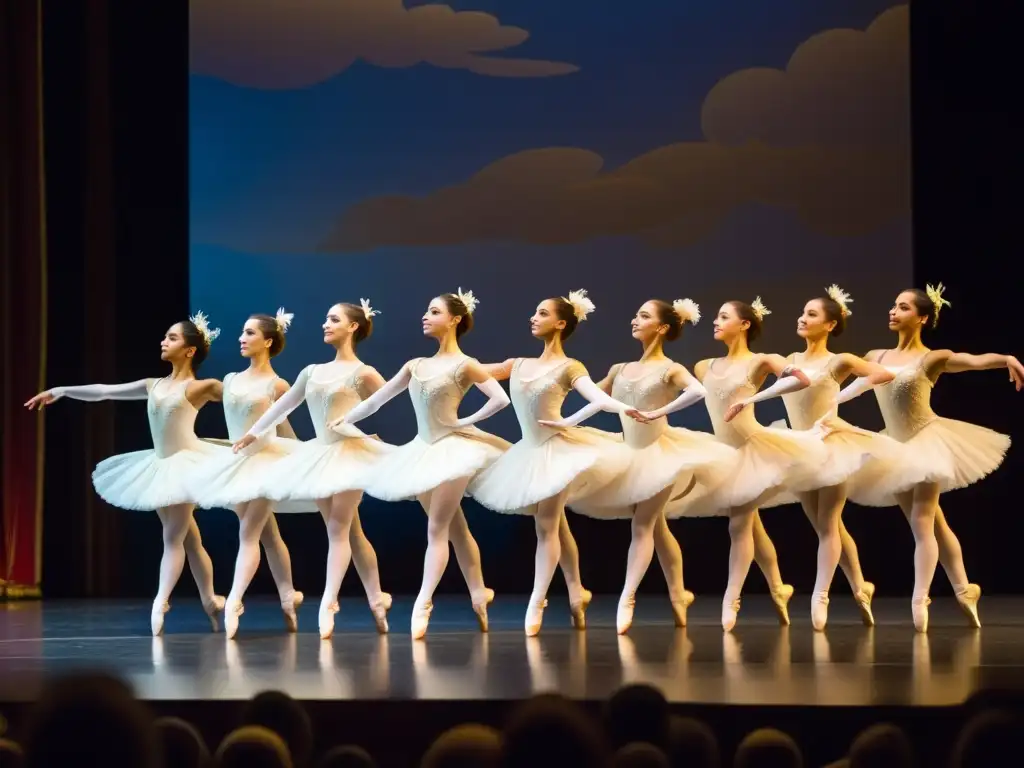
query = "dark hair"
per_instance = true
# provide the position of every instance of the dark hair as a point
(281, 714)
(833, 313)
(193, 338)
(667, 315)
(457, 308)
(746, 312)
(271, 330)
(565, 311)
(925, 306)
(355, 314)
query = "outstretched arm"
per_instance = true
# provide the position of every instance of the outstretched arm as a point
(498, 371)
(693, 392)
(496, 397)
(93, 393)
(392, 389)
(846, 364)
(789, 379)
(945, 361)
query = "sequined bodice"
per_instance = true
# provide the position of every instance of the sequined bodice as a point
(538, 397)
(172, 418)
(331, 392)
(648, 392)
(245, 400)
(812, 403)
(725, 388)
(905, 401)
(436, 400)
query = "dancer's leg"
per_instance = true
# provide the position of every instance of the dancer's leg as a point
(919, 506)
(278, 558)
(825, 506)
(252, 517)
(546, 520)
(569, 562)
(741, 555)
(670, 557)
(952, 558)
(768, 561)
(641, 549)
(175, 521)
(337, 512)
(467, 551)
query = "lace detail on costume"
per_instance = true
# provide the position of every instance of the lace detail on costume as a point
(647, 393)
(436, 400)
(905, 401)
(243, 405)
(724, 388)
(541, 397)
(331, 397)
(812, 403)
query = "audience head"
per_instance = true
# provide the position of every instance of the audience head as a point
(181, 744)
(692, 744)
(988, 739)
(347, 757)
(253, 746)
(280, 713)
(640, 754)
(464, 746)
(90, 719)
(11, 755)
(881, 746)
(768, 748)
(637, 713)
(550, 729)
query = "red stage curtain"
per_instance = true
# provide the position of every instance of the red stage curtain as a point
(22, 295)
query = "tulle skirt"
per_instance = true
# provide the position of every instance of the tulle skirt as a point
(582, 459)
(144, 481)
(417, 467)
(680, 458)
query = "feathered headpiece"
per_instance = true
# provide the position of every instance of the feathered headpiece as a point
(760, 310)
(580, 303)
(202, 324)
(367, 309)
(935, 294)
(687, 310)
(283, 319)
(840, 297)
(468, 299)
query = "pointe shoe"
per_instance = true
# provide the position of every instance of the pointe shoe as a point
(730, 611)
(578, 611)
(326, 620)
(679, 607)
(780, 597)
(421, 619)
(288, 609)
(231, 613)
(212, 608)
(535, 616)
(624, 614)
(968, 599)
(379, 607)
(480, 608)
(919, 610)
(156, 617)
(863, 598)
(819, 611)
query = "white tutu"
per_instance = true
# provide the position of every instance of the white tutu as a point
(579, 458)
(228, 480)
(413, 469)
(143, 481)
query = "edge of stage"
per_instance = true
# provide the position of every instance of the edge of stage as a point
(760, 674)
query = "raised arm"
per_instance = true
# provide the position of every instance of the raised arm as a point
(499, 371)
(278, 412)
(846, 364)
(93, 393)
(389, 391)
(789, 379)
(861, 384)
(692, 392)
(496, 397)
(203, 391)
(946, 361)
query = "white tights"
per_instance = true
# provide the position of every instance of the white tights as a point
(257, 525)
(339, 511)
(648, 518)
(824, 508)
(443, 506)
(182, 540)
(934, 540)
(555, 546)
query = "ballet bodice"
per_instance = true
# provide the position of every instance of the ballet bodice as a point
(648, 392)
(436, 399)
(905, 401)
(245, 400)
(541, 396)
(725, 388)
(815, 401)
(332, 390)
(172, 418)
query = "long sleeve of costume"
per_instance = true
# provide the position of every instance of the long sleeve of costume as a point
(584, 413)
(597, 396)
(496, 400)
(782, 386)
(854, 389)
(94, 393)
(284, 405)
(391, 389)
(692, 394)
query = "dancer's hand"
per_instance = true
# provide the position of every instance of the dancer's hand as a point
(560, 424)
(48, 397)
(1016, 372)
(639, 416)
(734, 410)
(244, 443)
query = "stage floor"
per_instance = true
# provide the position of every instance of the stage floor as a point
(759, 663)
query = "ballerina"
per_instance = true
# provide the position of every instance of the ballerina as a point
(234, 481)
(867, 464)
(158, 478)
(665, 462)
(766, 458)
(552, 465)
(436, 466)
(331, 468)
(955, 453)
